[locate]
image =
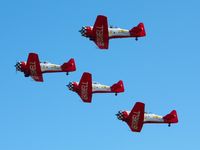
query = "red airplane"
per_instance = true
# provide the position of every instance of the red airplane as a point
(100, 33)
(34, 68)
(137, 117)
(85, 88)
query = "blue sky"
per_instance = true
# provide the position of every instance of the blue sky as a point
(161, 70)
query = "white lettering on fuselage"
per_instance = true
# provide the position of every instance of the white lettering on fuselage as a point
(84, 90)
(135, 120)
(99, 36)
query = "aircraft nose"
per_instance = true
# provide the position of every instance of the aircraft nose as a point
(18, 66)
(70, 86)
(119, 115)
(83, 31)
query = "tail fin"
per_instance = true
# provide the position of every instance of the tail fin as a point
(136, 117)
(69, 66)
(138, 31)
(172, 117)
(118, 87)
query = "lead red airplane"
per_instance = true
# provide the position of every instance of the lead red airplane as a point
(137, 117)
(85, 88)
(34, 68)
(100, 33)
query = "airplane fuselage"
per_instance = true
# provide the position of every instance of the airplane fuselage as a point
(45, 67)
(151, 118)
(118, 33)
(49, 67)
(99, 88)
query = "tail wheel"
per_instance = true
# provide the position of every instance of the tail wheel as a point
(26, 75)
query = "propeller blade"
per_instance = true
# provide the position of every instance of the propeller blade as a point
(69, 85)
(16, 67)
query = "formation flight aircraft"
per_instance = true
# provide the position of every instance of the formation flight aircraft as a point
(137, 117)
(100, 33)
(85, 88)
(34, 68)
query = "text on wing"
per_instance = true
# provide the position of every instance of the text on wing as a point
(99, 36)
(84, 90)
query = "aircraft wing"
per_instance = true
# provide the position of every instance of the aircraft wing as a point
(85, 87)
(136, 117)
(34, 68)
(101, 32)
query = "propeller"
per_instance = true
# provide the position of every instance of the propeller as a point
(119, 112)
(70, 86)
(119, 115)
(18, 66)
(15, 67)
(83, 31)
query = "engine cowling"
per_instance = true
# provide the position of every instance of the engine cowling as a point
(20, 66)
(122, 115)
(73, 86)
(86, 31)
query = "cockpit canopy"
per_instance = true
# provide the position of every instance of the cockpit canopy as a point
(45, 62)
(111, 26)
(94, 82)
